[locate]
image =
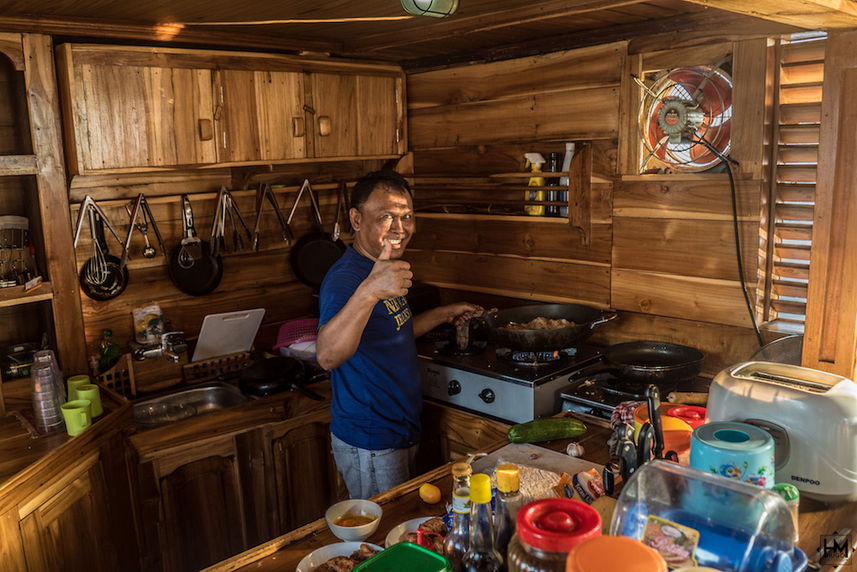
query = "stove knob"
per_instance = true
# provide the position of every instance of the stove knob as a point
(487, 395)
(454, 388)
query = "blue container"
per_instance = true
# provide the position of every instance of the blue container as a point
(734, 450)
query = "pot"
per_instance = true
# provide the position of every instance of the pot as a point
(115, 273)
(193, 268)
(585, 319)
(314, 253)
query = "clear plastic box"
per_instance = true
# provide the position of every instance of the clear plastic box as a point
(694, 518)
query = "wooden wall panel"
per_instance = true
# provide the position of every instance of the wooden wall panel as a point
(702, 196)
(749, 68)
(701, 248)
(524, 278)
(676, 296)
(575, 114)
(597, 65)
(555, 239)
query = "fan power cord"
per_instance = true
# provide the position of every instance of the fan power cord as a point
(729, 161)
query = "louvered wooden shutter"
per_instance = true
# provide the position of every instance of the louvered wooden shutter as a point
(797, 117)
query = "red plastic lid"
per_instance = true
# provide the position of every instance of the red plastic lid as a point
(557, 525)
(693, 415)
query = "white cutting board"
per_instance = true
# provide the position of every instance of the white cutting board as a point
(227, 333)
(533, 456)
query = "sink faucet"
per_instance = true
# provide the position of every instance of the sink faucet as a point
(171, 347)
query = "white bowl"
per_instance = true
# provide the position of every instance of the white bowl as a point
(321, 555)
(355, 507)
(397, 532)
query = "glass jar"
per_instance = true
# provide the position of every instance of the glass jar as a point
(547, 530)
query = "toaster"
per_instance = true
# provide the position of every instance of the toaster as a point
(811, 414)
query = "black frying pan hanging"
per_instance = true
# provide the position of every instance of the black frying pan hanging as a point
(314, 253)
(193, 268)
(102, 277)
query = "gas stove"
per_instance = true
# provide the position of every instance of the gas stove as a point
(504, 384)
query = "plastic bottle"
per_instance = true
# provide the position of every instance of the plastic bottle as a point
(563, 181)
(108, 352)
(534, 163)
(457, 542)
(509, 500)
(482, 556)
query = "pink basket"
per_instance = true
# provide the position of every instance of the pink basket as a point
(297, 331)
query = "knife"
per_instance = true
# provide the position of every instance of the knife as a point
(627, 453)
(644, 444)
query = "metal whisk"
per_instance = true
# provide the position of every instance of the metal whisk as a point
(96, 270)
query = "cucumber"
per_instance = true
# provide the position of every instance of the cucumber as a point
(546, 429)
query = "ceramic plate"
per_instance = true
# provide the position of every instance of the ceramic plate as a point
(321, 555)
(397, 532)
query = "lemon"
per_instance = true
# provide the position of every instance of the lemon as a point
(430, 493)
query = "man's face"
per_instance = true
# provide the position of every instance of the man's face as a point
(388, 215)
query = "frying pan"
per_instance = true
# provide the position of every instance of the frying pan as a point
(116, 276)
(273, 375)
(314, 253)
(585, 319)
(193, 268)
(654, 362)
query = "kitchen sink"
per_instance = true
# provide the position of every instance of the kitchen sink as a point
(186, 403)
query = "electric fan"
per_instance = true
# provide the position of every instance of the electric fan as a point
(685, 119)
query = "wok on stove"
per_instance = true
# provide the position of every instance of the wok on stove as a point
(585, 318)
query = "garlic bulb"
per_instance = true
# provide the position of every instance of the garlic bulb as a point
(574, 449)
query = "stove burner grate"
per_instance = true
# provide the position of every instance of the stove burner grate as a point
(535, 359)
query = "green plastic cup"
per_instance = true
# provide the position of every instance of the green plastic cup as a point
(77, 416)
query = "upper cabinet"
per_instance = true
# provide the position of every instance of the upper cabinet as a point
(139, 109)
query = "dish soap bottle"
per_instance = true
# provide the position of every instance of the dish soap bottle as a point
(534, 163)
(563, 181)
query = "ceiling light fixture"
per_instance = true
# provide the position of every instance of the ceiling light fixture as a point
(434, 8)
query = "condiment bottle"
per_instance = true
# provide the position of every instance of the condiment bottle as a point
(553, 167)
(108, 352)
(791, 495)
(547, 530)
(509, 500)
(614, 553)
(457, 542)
(482, 556)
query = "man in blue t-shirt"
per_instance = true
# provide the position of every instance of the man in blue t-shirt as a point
(366, 340)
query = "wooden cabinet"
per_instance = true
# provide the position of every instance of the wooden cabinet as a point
(211, 497)
(68, 527)
(135, 109)
(305, 475)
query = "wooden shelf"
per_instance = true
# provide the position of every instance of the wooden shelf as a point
(15, 295)
(594, 178)
(15, 165)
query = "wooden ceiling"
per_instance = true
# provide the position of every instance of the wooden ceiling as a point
(480, 30)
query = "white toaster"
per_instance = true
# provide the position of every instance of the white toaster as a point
(811, 414)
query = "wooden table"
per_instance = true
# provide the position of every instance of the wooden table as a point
(817, 521)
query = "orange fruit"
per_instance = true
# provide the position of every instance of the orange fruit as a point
(430, 493)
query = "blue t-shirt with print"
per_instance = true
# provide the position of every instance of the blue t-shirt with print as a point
(377, 395)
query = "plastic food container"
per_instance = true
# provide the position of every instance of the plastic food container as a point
(405, 556)
(547, 530)
(695, 518)
(614, 553)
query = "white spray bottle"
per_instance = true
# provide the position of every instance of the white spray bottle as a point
(563, 181)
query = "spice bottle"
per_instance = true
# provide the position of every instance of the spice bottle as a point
(509, 500)
(457, 542)
(482, 556)
(547, 530)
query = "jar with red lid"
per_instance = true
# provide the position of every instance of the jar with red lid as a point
(547, 530)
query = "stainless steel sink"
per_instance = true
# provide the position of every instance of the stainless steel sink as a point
(186, 403)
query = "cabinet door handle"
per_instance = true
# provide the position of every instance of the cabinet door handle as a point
(324, 126)
(298, 127)
(206, 132)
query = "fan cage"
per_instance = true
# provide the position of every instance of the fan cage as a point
(700, 93)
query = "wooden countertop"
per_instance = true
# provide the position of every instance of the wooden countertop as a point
(818, 522)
